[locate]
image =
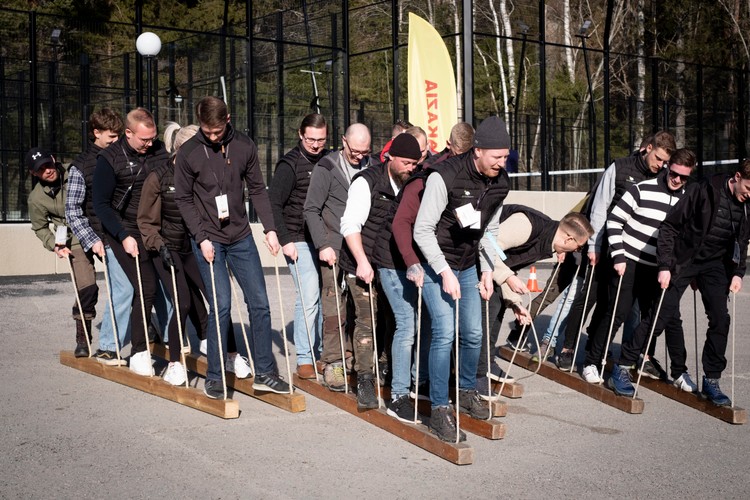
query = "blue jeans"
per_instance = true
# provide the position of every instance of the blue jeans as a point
(164, 309)
(559, 318)
(243, 259)
(402, 296)
(442, 311)
(122, 297)
(309, 292)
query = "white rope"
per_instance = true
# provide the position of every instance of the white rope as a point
(112, 310)
(650, 336)
(613, 312)
(573, 285)
(80, 309)
(533, 330)
(218, 330)
(695, 331)
(304, 315)
(143, 310)
(583, 317)
(176, 312)
(417, 355)
(341, 330)
(458, 425)
(238, 305)
(487, 336)
(521, 340)
(541, 304)
(732, 319)
(375, 343)
(283, 324)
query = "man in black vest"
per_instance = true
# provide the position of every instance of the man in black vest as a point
(704, 239)
(460, 199)
(617, 179)
(371, 196)
(118, 179)
(525, 236)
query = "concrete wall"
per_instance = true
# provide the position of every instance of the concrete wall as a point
(22, 253)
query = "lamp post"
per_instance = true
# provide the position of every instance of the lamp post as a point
(148, 45)
(583, 35)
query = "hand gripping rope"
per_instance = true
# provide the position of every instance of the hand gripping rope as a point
(283, 324)
(78, 301)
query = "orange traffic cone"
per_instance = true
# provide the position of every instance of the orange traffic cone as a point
(532, 284)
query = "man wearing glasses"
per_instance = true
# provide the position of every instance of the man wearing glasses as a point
(324, 207)
(703, 240)
(118, 179)
(287, 193)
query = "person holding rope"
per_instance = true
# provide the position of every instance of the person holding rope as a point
(459, 201)
(47, 204)
(324, 206)
(118, 180)
(704, 240)
(633, 230)
(287, 193)
(368, 236)
(105, 126)
(211, 169)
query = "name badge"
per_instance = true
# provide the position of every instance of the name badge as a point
(61, 236)
(222, 206)
(468, 217)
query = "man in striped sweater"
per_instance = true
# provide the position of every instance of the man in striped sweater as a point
(632, 229)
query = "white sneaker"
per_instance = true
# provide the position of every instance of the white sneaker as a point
(175, 374)
(685, 384)
(141, 362)
(204, 347)
(591, 374)
(239, 365)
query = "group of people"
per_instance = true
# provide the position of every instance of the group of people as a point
(365, 235)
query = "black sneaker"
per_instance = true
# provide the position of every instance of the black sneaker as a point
(652, 369)
(367, 398)
(213, 389)
(424, 391)
(443, 425)
(402, 409)
(270, 382)
(108, 358)
(564, 360)
(713, 393)
(82, 351)
(470, 403)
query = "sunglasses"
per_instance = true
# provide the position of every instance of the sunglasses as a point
(675, 175)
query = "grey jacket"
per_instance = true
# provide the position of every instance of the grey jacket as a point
(325, 203)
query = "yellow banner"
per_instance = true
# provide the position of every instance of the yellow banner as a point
(432, 83)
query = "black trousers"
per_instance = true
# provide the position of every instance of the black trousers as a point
(713, 281)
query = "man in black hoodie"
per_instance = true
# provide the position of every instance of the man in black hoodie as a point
(210, 171)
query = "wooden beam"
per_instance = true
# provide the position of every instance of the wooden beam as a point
(733, 415)
(188, 396)
(574, 381)
(512, 390)
(290, 402)
(417, 434)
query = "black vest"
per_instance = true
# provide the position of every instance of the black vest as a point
(173, 228)
(539, 244)
(720, 238)
(629, 170)
(292, 211)
(382, 197)
(86, 163)
(465, 184)
(131, 170)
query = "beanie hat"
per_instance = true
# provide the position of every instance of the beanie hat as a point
(405, 146)
(492, 134)
(37, 158)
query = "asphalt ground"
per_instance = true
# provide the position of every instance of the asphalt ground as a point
(67, 434)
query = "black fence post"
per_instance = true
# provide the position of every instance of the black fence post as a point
(699, 113)
(741, 115)
(280, 81)
(654, 94)
(85, 99)
(3, 142)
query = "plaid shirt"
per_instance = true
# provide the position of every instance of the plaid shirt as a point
(78, 222)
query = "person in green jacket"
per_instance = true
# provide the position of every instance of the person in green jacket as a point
(47, 205)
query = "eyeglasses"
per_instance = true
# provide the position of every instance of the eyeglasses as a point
(150, 140)
(354, 152)
(675, 175)
(311, 141)
(579, 245)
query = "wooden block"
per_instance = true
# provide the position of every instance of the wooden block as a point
(417, 434)
(187, 396)
(733, 415)
(574, 381)
(290, 402)
(511, 390)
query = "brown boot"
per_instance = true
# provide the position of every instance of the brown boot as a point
(306, 371)
(82, 347)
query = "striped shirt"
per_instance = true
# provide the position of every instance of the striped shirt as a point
(633, 224)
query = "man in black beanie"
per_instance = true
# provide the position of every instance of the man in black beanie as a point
(371, 194)
(459, 201)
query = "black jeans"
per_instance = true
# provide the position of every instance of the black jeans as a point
(713, 281)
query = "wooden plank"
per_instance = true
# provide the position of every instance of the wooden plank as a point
(417, 434)
(188, 396)
(574, 381)
(512, 390)
(733, 415)
(293, 403)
